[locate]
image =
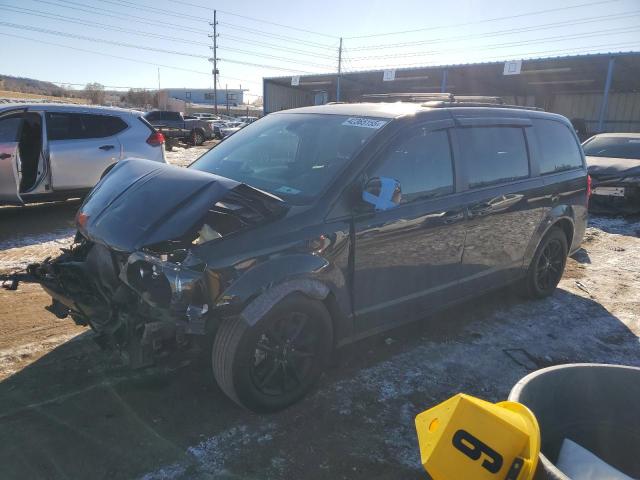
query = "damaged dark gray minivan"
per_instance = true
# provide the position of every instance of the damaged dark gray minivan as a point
(314, 227)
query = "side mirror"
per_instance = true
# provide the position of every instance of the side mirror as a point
(383, 193)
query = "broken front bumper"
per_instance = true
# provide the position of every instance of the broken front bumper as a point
(139, 304)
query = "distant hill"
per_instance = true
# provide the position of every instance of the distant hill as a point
(30, 85)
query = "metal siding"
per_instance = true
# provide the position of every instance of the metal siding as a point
(623, 112)
(278, 97)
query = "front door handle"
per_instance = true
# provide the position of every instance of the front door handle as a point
(106, 147)
(5, 155)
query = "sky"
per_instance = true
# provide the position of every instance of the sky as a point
(143, 43)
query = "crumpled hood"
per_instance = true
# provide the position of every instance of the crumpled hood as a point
(142, 203)
(604, 168)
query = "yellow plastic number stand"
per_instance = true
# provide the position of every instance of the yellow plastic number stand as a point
(468, 438)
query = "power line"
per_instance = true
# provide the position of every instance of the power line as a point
(99, 40)
(475, 22)
(104, 54)
(276, 47)
(275, 35)
(120, 3)
(504, 45)
(274, 57)
(237, 62)
(153, 49)
(497, 33)
(128, 17)
(26, 11)
(125, 4)
(246, 17)
(135, 60)
(79, 21)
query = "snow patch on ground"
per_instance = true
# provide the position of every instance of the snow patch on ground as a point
(209, 457)
(18, 253)
(182, 157)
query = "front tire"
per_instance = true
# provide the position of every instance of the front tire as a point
(274, 363)
(547, 265)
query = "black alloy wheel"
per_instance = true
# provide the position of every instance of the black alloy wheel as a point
(547, 266)
(284, 355)
(550, 265)
(270, 364)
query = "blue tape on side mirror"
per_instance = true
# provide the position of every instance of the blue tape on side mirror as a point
(383, 201)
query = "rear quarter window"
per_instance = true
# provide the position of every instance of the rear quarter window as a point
(75, 126)
(493, 155)
(558, 148)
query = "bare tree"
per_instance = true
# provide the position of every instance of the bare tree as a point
(95, 93)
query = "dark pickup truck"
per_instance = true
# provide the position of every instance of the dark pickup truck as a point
(176, 125)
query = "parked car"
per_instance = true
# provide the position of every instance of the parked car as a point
(247, 119)
(176, 125)
(206, 116)
(614, 166)
(230, 128)
(318, 226)
(53, 152)
(218, 125)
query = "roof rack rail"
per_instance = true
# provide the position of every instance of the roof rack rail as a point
(478, 104)
(445, 100)
(478, 98)
(410, 97)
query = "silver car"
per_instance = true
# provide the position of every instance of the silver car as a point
(52, 152)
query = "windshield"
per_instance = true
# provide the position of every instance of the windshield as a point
(616, 147)
(293, 155)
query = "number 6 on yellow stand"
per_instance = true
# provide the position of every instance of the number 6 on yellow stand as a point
(468, 438)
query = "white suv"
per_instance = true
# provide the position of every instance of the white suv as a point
(52, 152)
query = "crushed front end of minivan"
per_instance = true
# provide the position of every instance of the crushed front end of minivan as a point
(133, 273)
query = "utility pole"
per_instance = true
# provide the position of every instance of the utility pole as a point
(339, 70)
(226, 91)
(215, 59)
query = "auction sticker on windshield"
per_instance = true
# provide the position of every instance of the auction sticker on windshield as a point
(364, 122)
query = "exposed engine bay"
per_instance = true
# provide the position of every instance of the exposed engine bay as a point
(144, 290)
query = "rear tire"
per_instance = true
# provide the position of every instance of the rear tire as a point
(274, 363)
(547, 266)
(197, 137)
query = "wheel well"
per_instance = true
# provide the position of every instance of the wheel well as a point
(567, 227)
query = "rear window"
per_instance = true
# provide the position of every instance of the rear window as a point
(74, 126)
(493, 155)
(616, 147)
(153, 116)
(558, 147)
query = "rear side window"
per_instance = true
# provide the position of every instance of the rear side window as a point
(75, 126)
(10, 127)
(558, 147)
(493, 155)
(421, 162)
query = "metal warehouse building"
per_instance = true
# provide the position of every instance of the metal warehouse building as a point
(205, 96)
(603, 90)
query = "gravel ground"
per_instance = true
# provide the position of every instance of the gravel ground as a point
(68, 410)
